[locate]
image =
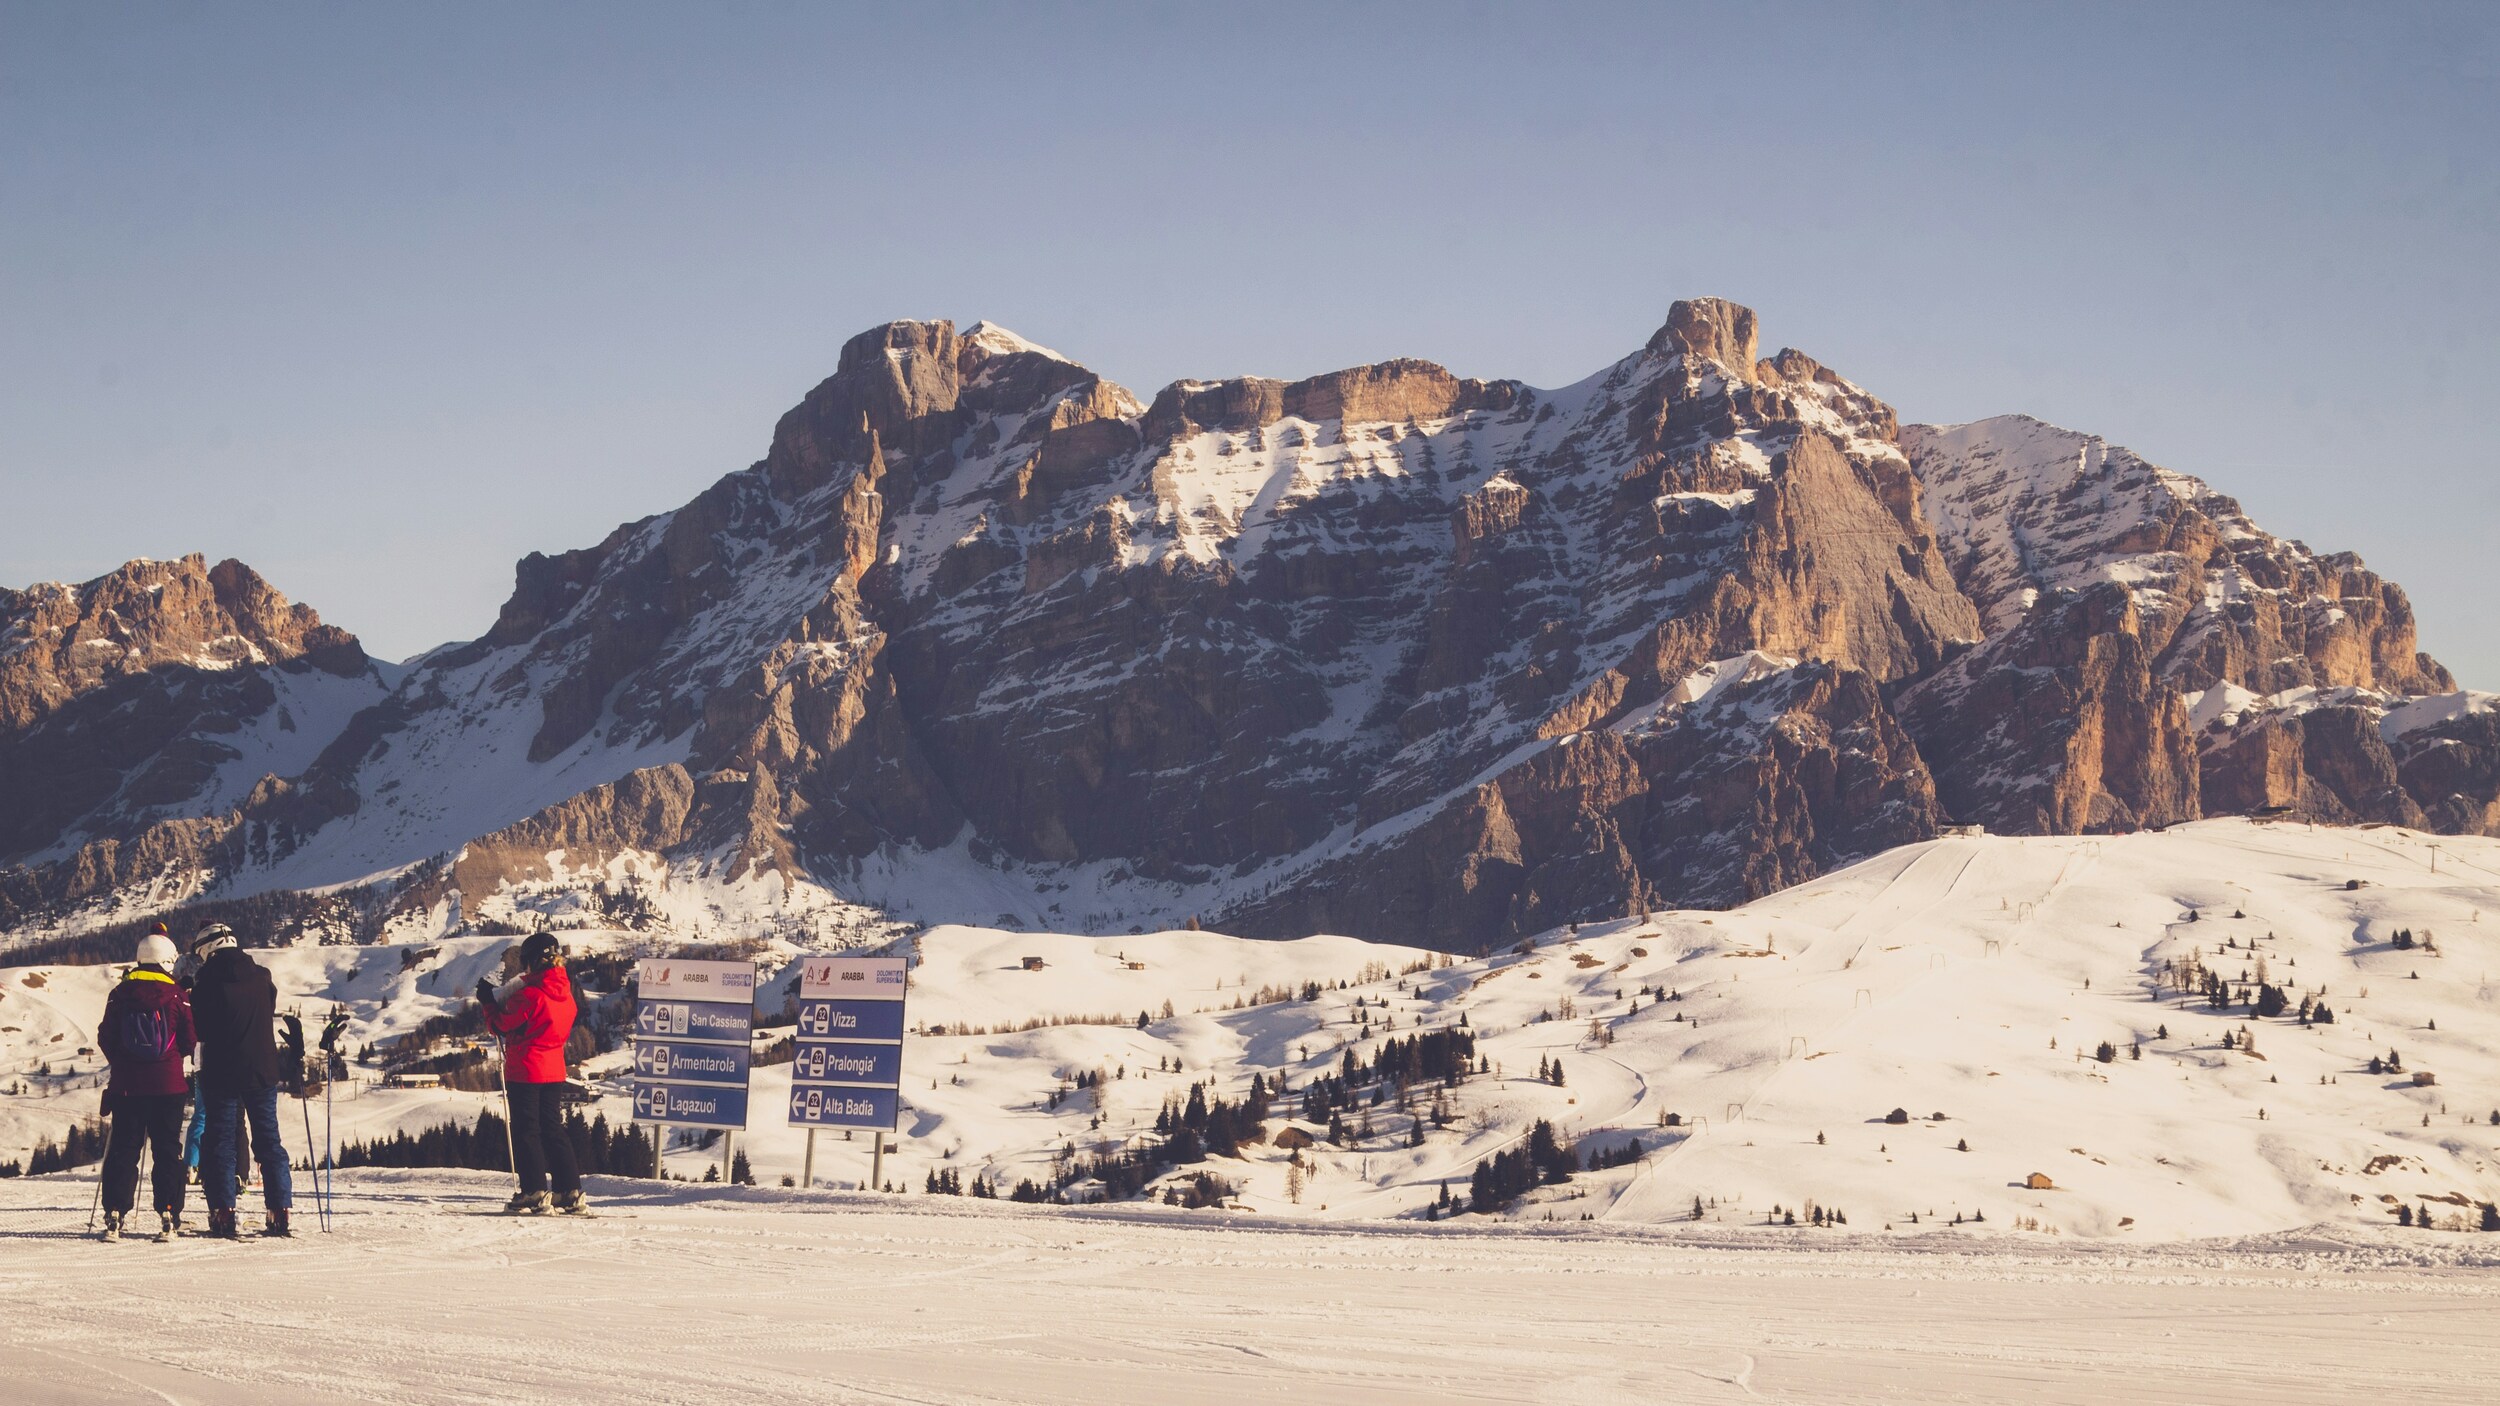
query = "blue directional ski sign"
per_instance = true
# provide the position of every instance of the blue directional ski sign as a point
(680, 1061)
(693, 1023)
(848, 1071)
(690, 1105)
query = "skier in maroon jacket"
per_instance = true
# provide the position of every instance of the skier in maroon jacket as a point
(535, 1019)
(146, 1035)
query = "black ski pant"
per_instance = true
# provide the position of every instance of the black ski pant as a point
(152, 1120)
(540, 1149)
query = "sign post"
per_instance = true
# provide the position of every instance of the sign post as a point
(693, 1045)
(847, 1071)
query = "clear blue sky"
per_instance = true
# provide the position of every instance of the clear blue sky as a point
(378, 298)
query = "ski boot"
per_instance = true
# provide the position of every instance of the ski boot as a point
(570, 1203)
(221, 1225)
(277, 1224)
(168, 1225)
(112, 1225)
(528, 1203)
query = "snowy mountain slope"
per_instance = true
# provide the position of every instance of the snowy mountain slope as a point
(1972, 977)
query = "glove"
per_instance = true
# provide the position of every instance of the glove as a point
(485, 992)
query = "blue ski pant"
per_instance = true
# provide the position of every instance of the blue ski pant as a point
(226, 1113)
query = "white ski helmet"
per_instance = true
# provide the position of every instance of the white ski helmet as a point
(155, 950)
(211, 940)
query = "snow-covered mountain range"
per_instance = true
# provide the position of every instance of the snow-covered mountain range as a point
(985, 638)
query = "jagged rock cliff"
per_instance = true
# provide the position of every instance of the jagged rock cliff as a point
(157, 695)
(1389, 651)
(2121, 599)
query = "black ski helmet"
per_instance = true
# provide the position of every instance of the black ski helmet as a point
(542, 950)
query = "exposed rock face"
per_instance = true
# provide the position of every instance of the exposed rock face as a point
(2025, 507)
(163, 690)
(1388, 651)
(2061, 725)
(2329, 763)
(2358, 756)
(1778, 772)
(2142, 590)
(1270, 587)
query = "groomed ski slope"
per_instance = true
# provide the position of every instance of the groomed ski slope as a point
(1969, 977)
(694, 1296)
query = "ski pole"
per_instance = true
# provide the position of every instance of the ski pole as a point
(511, 1150)
(328, 1177)
(303, 1100)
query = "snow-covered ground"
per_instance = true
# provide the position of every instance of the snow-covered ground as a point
(710, 1297)
(1973, 978)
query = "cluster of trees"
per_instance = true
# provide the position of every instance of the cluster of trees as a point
(1084, 1080)
(485, 1147)
(949, 1182)
(1199, 1125)
(1815, 1216)
(2488, 1219)
(1200, 1190)
(2394, 1063)
(2262, 997)
(84, 1143)
(1443, 1056)
(1190, 1129)
(626, 905)
(1543, 1160)
(1599, 1159)
(1550, 1071)
(355, 915)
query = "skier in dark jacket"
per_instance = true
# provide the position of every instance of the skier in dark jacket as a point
(535, 1019)
(187, 972)
(146, 1035)
(236, 1006)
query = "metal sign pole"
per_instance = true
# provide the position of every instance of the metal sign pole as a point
(659, 1155)
(807, 1168)
(728, 1144)
(876, 1173)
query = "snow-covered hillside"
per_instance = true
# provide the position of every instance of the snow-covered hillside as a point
(1752, 1056)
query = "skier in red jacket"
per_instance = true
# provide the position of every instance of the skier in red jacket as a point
(535, 1019)
(146, 1035)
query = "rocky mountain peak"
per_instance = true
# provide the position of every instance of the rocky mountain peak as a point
(161, 692)
(60, 641)
(1711, 330)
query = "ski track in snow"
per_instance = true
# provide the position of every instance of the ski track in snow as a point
(717, 1296)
